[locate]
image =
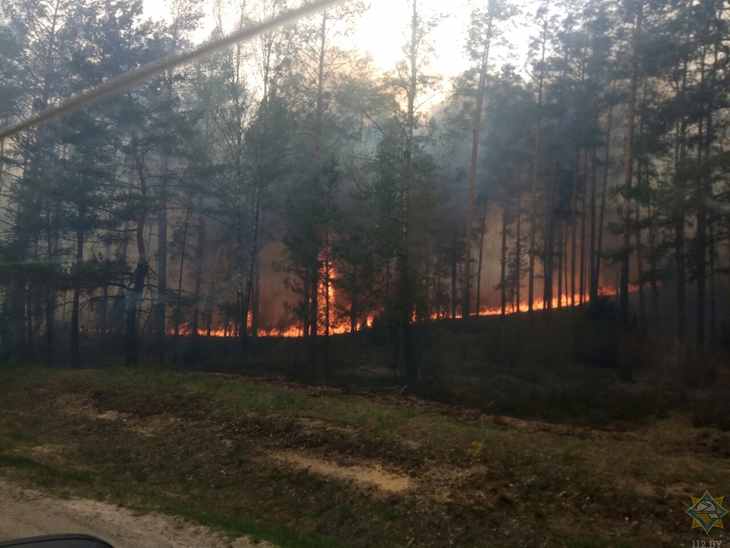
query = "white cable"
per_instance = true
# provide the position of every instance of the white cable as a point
(128, 79)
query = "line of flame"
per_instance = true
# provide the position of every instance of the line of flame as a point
(343, 328)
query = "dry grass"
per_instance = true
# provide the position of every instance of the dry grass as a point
(303, 466)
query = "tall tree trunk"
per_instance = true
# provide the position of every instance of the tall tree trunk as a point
(318, 136)
(629, 171)
(713, 288)
(133, 298)
(199, 266)
(405, 289)
(640, 269)
(653, 263)
(256, 302)
(307, 304)
(679, 256)
(701, 242)
(518, 256)
(474, 161)
(327, 310)
(549, 243)
(593, 290)
(313, 317)
(680, 218)
(75, 350)
(562, 263)
(604, 194)
(536, 174)
(178, 302)
(50, 307)
(574, 229)
(161, 306)
(708, 190)
(704, 191)
(454, 272)
(354, 309)
(503, 265)
(253, 252)
(482, 235)
(643, 184)
(583, 208)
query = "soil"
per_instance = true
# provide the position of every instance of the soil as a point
(29, 513)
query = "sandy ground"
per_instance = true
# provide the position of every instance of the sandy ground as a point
(25, 513)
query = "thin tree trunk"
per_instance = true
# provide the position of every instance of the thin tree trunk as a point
(653, 264)
(247, 296)
(704, 189)
(679, 255)
(313, 317)
(503, 265)
(50, 307)
(574, 229)
(307, 303)
(131, 346)
(604, 194)
(354, 312)
(256, 302)
(75, 350)
(629, 173)
(680, 217)
(713, 288)
(518, 256)
(405, 290)
(178, 303)
(701, 240)
(561, 261)
(709, 194)
(640, 269)
(200, 262)
(549, 249)
(583, 208)
(593, 290)
(454, 272)
(476, 141)
(482, 235)
(161, 312)
(643, 184)
(536, 175)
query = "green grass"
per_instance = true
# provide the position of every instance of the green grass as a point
(44, 474)
(65, 482)
(542, 468)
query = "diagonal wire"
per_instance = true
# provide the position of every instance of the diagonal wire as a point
(127, 80)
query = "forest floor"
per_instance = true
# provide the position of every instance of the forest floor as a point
(306, 466)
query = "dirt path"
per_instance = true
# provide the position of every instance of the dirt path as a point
(26, 513)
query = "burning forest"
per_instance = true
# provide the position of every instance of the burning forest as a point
(290, 185)
(397, 273)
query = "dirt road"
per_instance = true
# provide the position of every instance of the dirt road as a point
(26, 513)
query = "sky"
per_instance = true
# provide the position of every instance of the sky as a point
(382, 30)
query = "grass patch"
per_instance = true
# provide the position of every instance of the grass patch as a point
(478, 481)
(44, 474)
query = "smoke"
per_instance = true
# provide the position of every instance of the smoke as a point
(125, 81)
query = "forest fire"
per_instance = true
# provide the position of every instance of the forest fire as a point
(339, 327)
(412, 273)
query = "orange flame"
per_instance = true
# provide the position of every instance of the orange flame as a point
(342, 328)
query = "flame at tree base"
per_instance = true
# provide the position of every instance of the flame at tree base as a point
(343, 328)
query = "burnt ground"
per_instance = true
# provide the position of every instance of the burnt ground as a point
(313, 466)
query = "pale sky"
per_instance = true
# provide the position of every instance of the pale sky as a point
(381, 32)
